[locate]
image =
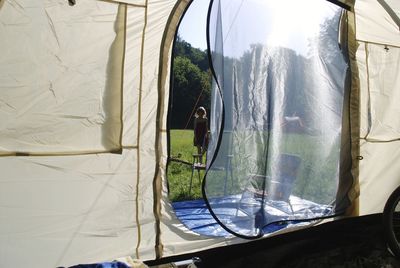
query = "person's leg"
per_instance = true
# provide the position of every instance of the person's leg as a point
(199, 152)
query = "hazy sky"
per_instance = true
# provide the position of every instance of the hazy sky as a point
(193, 25)
(268, 22)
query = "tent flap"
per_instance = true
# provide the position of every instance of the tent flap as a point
(60, 77)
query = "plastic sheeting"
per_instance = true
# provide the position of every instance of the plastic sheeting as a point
(195, 215)
(277, 109)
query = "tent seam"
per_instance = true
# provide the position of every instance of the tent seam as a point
(123, 78)
(139, 130)
(380, 141)
(354, 111)
(167, 38)
(129, 4)
(376, 43)
(38, 154)
(368, 90)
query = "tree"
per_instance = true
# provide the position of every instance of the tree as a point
(191, 83)
(197, 56)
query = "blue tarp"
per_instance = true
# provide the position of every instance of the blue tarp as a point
(195, 215)
(113, 264)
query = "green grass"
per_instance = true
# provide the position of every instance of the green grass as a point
(316, 179)
(179, 173)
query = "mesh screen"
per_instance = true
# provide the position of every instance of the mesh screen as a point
(276, 113)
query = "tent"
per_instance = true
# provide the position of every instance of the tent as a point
(84, 89)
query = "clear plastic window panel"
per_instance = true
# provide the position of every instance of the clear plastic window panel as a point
(276, 116)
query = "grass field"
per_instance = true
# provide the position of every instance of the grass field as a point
(179, 173)
(316, 181)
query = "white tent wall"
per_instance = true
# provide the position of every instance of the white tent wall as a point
(58, 69)
(378, 58)
(62, 202)
(131, 77)
(57, 62)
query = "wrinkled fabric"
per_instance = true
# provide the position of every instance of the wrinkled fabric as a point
(277, 109)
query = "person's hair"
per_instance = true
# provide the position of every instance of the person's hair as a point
(201, 108)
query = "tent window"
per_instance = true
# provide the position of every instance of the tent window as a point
(277, 108)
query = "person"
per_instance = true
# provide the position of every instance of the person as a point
(200, 139)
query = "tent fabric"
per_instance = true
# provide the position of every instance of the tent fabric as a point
(380, 124)
(64, 210)
(377, 61)
(353, 117)
(64, 205)
(139, 3)
(374, 23)
(283, 96)
(83, 136)
(60, 77)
